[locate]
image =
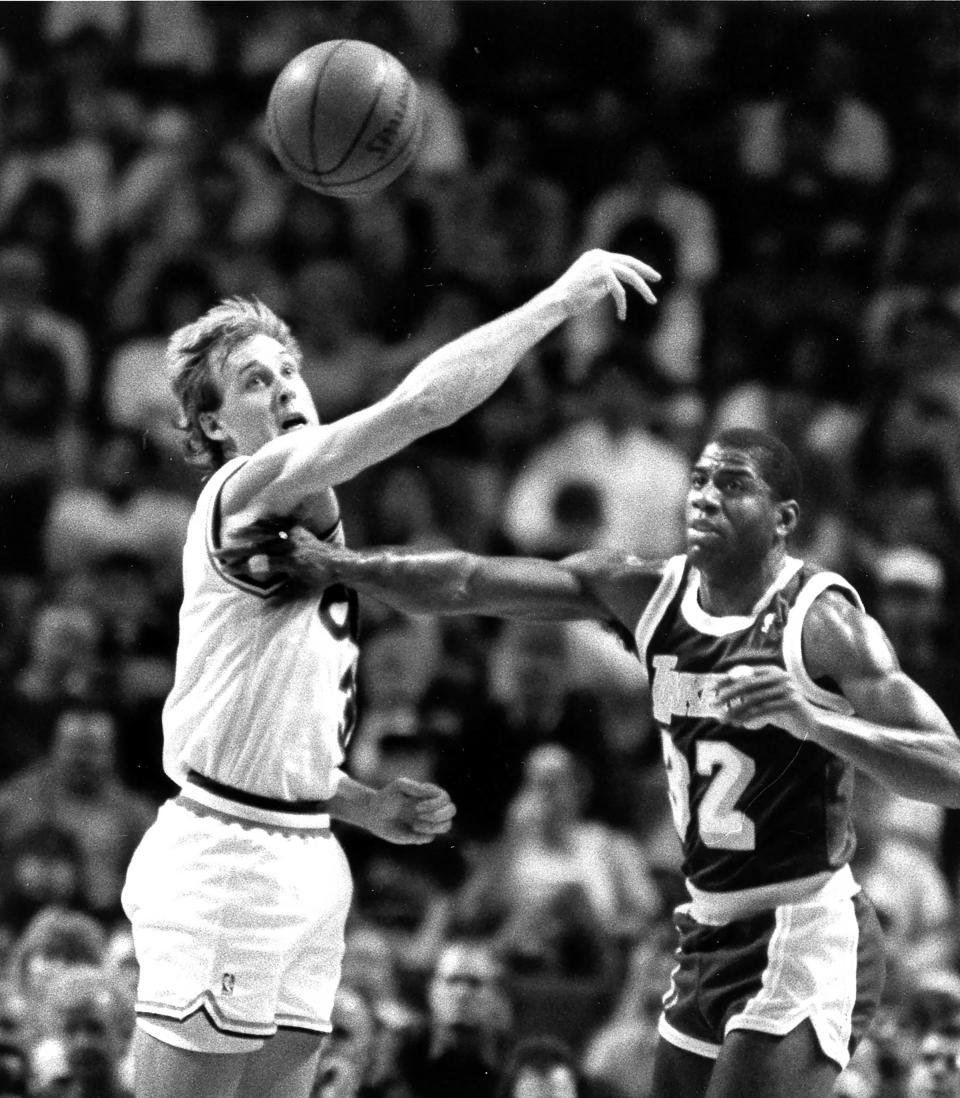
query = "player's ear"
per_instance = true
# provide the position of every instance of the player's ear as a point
(211, 426)
(787, 517)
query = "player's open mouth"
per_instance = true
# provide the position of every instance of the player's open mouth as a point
(291, 423)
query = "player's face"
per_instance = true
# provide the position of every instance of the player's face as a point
(731, 513)
(264, 396)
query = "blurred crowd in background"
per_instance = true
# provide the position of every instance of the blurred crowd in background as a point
(790, 168)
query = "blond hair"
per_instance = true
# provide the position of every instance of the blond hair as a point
(198, 350)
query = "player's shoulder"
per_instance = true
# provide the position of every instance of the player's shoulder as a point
(833, 612)
(838, 633)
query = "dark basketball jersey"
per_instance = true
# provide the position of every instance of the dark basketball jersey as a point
(753, 806)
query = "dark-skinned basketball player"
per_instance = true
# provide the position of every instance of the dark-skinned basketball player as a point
(770, 685)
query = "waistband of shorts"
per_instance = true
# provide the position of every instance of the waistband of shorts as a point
(228, 803)
(722, 907)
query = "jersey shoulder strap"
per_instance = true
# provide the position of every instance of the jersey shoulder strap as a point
(811, 590)
(661, 598)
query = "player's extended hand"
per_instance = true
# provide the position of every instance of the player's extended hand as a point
(765, 694)
(270, 548)
(597, 274)
(410, 812)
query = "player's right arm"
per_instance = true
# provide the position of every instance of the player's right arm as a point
(595, 585)
(440, 390)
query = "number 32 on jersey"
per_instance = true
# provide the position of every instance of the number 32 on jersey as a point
(728, 771)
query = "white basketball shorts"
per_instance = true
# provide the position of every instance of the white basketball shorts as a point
(238, 926)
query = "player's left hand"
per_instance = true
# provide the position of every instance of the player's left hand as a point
(410, 812)
(764, 694)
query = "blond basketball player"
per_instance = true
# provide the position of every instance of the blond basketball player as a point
(239, 892)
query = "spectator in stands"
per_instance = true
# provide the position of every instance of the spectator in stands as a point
(909, 464)
(851, 138)
(17, 1015)
(84, 1037)
(405, 896)
(25, 311)
(898, 863)
(371, 969)
(55, 942)
(558, 891)
(14, 1071)
(328, 310)
(76, 787)
(63, 666)
(469, 1019)
(536, 701)
(222, 207)
(347, 1057)
(641, 479)
(648, 186)
(43, 141)
(934, 1070)
(919, 243)
(506, 224)
(540, 1067)
(118, 510)
(40, 866)
(617, 1057)
(44, 219)
(37, 444)
(136, 392)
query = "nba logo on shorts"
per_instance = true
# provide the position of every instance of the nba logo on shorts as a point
(226, 984)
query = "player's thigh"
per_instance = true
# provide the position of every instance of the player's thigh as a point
(678, 1073)
(285, 1067)
(763, 1066)
(165, 1071)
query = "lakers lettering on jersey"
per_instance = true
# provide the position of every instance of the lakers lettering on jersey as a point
(753, 806)
(264, 692)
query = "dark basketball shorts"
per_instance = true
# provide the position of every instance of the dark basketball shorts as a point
(819, 959)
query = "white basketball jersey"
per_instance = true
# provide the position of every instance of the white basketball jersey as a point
(263, 698)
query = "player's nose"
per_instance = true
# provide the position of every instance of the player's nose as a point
(284, 391)
(705, 497)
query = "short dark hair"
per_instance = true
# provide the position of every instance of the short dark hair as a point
(776, 462)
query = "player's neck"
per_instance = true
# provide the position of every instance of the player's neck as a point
(734, 588)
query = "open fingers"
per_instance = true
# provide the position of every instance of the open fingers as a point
(644, 270)
(617, 292)
(627, 274)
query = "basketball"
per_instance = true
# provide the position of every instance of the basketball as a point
(343, 118)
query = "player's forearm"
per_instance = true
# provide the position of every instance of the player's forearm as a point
(462, 374)
(352, 802)
(923, 764)
(457, 582)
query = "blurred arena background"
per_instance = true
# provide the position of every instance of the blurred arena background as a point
(791, 168)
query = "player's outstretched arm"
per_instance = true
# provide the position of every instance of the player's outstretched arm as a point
(898, 734)
(609, 587)
(445, 386)
(448, 581)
